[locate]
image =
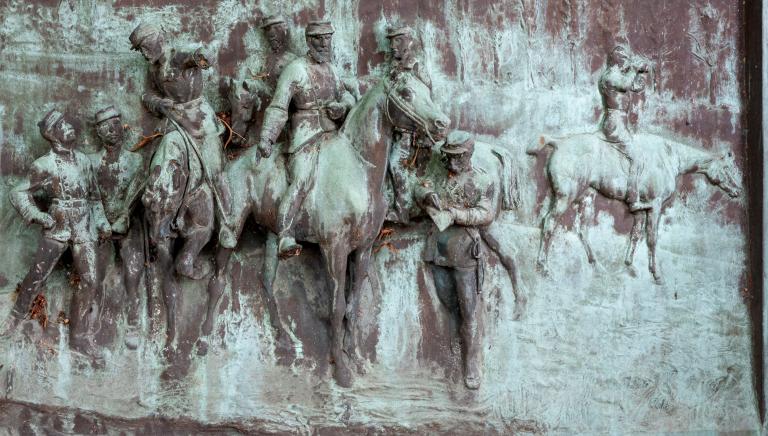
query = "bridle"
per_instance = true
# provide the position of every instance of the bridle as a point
(403, 106)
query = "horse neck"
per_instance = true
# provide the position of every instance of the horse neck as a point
(690, 159)
(370, 133)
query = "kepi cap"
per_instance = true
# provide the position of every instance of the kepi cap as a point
(399, 30)
(105, 114)
(458, 142)
(50, 120)
(141, 32)
(318, 28)
(271, 20)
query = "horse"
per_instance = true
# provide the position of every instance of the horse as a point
(343, 210)
(583, 165)
(243, 103)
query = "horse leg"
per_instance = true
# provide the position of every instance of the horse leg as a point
(197, 231)
(335, 257)
(216, 286)
(359, 272)
(509, 264)
(634, 237)
(558, 206)
(170, 287)
(652, 233)
(586, 211)
(271, 261)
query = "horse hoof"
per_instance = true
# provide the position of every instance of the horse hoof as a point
(131, 339)
(202, 347)
(658, 281)
(632, 271)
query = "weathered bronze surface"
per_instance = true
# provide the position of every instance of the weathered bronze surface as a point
(276, 222)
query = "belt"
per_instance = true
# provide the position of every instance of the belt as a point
(70, 203)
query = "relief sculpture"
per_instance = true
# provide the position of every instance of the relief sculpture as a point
(286, 231)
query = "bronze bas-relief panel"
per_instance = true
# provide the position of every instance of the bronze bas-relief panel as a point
(399, 216)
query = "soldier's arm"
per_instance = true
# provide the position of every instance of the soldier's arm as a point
(482, 214)
(23, 201)
(154, 101)
(132, 193)
(276, 114)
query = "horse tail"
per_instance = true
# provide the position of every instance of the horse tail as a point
(510, 194)
(541, 146)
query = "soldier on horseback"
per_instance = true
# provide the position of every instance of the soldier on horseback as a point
(406, 143)
(622, 75)
(190, 150)
(310, 87)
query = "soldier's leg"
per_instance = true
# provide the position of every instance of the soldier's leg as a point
(471, 326)
(132, 255)
(48, 253)
(85, 306)
(300, 168)
(398, 172)
(197, 231)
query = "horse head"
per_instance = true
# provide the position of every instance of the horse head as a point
(410, 107)
(721, 171)
(243, 102)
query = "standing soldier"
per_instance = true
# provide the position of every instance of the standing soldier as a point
(405, 142)
(622, 76)
(75, 220)
(120, 184)
(311, 87)
(459, 204)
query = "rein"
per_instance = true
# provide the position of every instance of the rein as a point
(401, 104)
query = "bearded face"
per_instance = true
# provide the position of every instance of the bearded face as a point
(277, 36)
(458, 163)
(320, 47)
(400, 46)
(64, 134)
(152, 48)
(110, 131)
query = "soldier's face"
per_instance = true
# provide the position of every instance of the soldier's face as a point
(458, 163)
(276, 35)
(65, 133)
(400, 46)
(110, 131)
(320, 47)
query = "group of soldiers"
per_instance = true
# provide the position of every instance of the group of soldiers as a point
(184, 197)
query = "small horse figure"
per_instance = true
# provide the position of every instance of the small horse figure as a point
(584, 164)
(345, 207)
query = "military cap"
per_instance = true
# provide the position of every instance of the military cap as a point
(105, 114)
(458, 142)
(318, 28)
(141, 32)
(399, 30)
(50, 120)
(271, 20)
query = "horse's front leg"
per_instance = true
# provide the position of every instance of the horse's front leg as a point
(509, 264)
(652, 234)
(216, 286)
(634, 237)
(197, 231)
(335, 257)
(284, 340)
(586, 212)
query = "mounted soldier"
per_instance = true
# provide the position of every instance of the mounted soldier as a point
(407, 146)
(311, 89)
(622, 76)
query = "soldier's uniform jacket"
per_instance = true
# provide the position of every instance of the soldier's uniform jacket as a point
(614, 85)
(75, 204)
(179, 78)
(119, 182)
(274, 68)
(304, 89)
(471, 194)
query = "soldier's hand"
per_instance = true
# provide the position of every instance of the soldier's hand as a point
(335, 110)
(46, 221)
(434, 201)
(265, 148)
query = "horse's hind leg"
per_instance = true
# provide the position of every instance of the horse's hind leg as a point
(216, 287)
(269, 275)
(509, 265)
(585, 213)
(197, 231)
(652, 233)
(335, 258)
(558, 206)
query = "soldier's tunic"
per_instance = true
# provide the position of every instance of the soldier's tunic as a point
(459, 246)
(304, 90)
(119, 182)
(68, 180)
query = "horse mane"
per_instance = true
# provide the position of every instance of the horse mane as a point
(363, 118)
